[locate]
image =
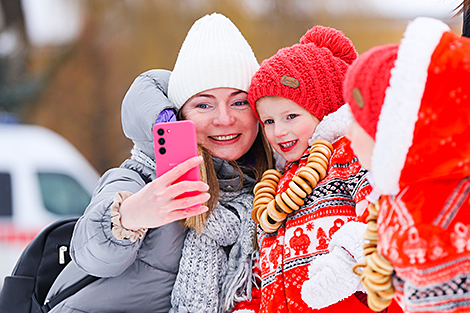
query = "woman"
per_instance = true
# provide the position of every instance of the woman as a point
(137, 252)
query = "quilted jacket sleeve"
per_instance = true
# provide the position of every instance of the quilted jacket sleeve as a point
(94, 248)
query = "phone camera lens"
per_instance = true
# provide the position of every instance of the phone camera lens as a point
(160, 131)
(162, 150)
(161, 141)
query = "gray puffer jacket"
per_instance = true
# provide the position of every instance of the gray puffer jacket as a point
(136, 277)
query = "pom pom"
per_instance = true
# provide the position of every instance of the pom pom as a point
(333, 40)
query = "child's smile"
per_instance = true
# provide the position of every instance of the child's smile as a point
(287, 146)
(288, 126)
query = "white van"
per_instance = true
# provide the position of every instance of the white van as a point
(42, 178)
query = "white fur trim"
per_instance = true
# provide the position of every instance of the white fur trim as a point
(402, 101)
(280, 161)
(333, 126)
(350, 238)
(331, 279)
(244, 311)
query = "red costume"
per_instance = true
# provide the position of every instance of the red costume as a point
(418, 111)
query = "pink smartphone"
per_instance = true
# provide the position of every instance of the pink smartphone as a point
(175, 142)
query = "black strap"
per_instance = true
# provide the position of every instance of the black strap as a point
(466, 23)
(67, 292)
(71, 290)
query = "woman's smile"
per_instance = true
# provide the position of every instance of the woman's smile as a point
(224, 138)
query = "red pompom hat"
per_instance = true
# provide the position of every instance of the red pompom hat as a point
(310, 73)
(366, 88)
(414, 100)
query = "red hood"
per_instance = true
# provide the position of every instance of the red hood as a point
(423, 131)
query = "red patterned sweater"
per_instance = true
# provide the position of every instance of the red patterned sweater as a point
(307, 263)
(301, 245)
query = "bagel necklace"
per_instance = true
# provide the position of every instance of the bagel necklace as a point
(376, 273)
(270, 209)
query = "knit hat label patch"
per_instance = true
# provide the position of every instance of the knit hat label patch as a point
(309, 73)
(289, 82)
(357, 95)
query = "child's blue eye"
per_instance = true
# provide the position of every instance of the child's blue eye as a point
(202, 106)
(292, 116)
(269, 121)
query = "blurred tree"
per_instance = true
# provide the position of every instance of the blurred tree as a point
(122, 39)
(15, 85)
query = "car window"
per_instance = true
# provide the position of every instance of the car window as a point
(6, 208)
(62, 194)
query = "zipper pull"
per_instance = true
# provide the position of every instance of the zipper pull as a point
(62, 250)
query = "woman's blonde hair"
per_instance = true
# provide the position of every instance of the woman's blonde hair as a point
(263, 160)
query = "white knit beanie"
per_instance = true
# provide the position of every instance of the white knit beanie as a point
(214, 54)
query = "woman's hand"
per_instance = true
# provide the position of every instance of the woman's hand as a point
(156, 204)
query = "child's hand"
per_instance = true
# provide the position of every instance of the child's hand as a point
(331, 278)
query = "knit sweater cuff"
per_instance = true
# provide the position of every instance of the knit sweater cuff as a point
(119, 231)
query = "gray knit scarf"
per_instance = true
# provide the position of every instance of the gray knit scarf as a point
(207, 280)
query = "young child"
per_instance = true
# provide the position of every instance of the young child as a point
(310, 236)
(411, 104)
